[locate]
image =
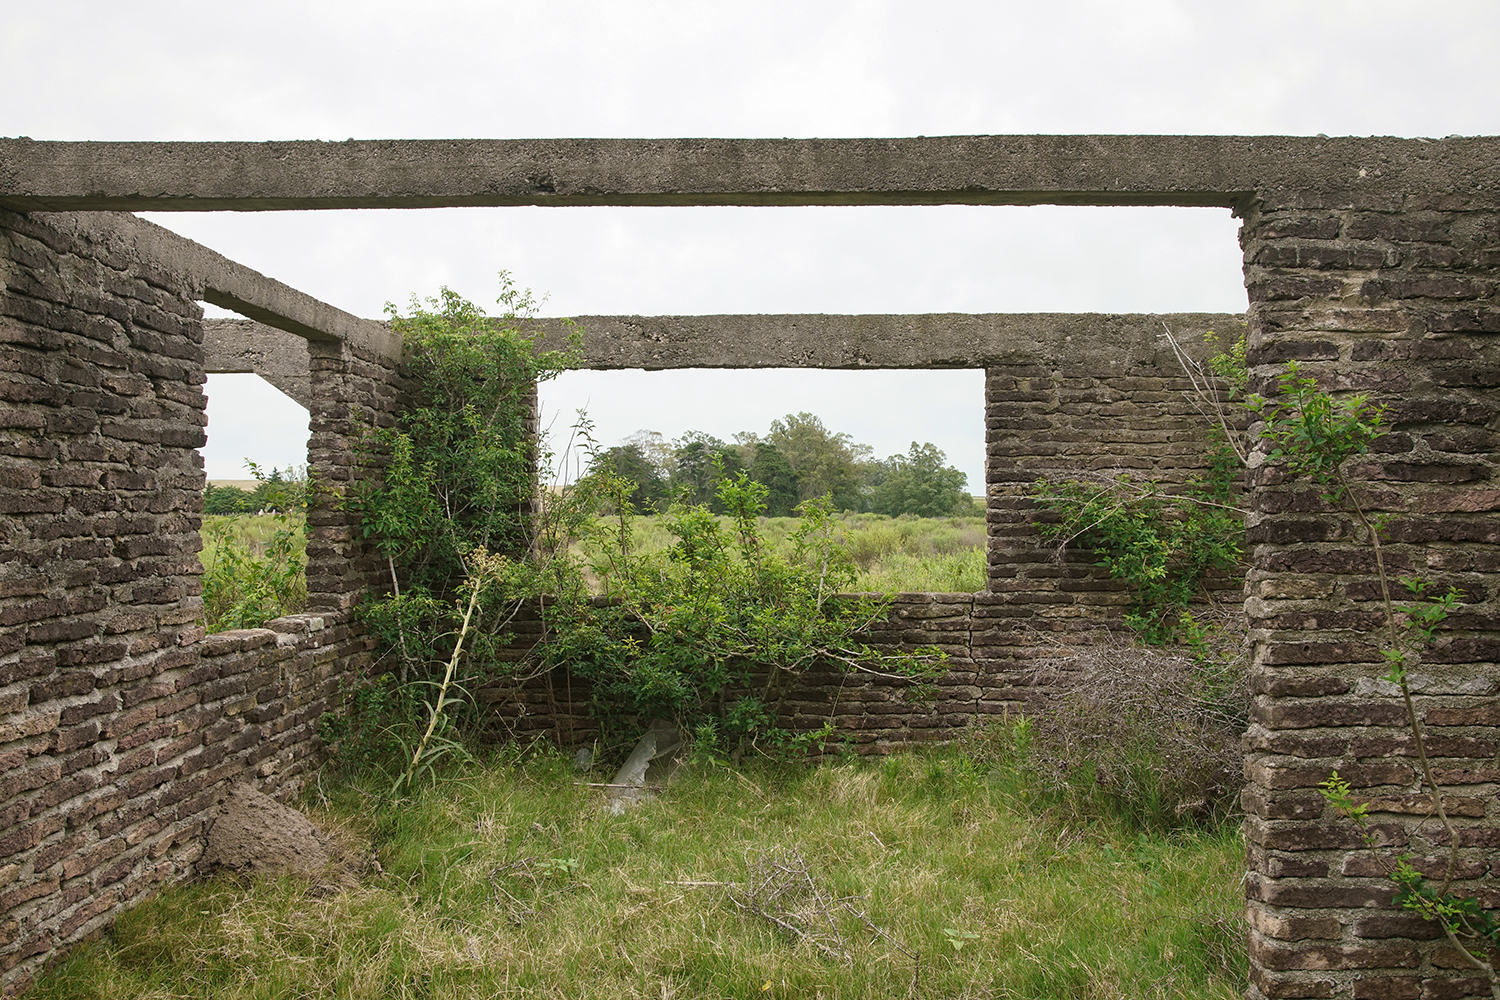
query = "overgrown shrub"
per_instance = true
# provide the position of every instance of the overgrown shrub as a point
(255, 566)
(247, 582)
(1143, 733)
(467, 537)
(718, 628)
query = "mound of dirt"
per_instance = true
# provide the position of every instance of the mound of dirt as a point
(255, 834)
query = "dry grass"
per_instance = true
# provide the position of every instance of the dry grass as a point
(920, 875)
(1149, 734)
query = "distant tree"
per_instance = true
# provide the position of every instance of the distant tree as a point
(655, 449)
(825, 462)
(919, 483)
(772, 470)
(277, 491)
(626, 460)
(696, 461)
(226, 500)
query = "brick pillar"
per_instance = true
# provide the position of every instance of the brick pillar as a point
(1396, 301)
(353, 390)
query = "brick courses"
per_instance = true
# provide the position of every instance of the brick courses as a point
(1396, 304)
(120, 722)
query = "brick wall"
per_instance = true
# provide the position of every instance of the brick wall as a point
(1395, 298)
(120, 722)
(352, 391)
(879, 713)
(1061, 419)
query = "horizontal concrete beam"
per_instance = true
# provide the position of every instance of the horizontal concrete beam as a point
(231, 285)
(933, 340)
(245, 346)
(1225, 171)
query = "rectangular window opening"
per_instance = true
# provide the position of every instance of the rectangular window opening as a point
(900, 454)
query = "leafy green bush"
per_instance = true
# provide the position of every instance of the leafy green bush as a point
(450, 509)
(255, 566)
(254, 569)
(1162, 544)
(468, 537)
(719, 627)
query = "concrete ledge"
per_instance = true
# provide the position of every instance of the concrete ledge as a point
(228, 284)
(245, 346)
(1192, 171)
(931, 340)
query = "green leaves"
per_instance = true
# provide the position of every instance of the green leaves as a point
(685, 633)
(1314, 433)
(1162, 544)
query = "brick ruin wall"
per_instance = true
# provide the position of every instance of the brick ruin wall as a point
(1007, 646)
(1394, 297)
(120, 721)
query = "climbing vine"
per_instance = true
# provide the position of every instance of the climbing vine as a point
(1313, 435)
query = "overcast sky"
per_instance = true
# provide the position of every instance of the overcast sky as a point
(497, 69)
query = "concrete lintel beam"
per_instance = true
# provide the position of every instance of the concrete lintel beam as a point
(932, 340)
(245, 346)
(231, 285)
(1193, 171)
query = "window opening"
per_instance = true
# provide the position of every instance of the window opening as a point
(254, 536)
(900, 452)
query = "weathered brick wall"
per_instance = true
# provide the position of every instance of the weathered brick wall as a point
(879, 713)
(120, 722)
(1061, 420)
(353, 390)
(1394, 297)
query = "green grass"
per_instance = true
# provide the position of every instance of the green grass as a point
(513, 881)
(938, 554)
(252, 531)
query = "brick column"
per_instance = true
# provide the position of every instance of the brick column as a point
(353, 390)
(1396, 300)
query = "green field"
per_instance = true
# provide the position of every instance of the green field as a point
(251, 576)
(254, 568)
(891, 554)
(923, 875)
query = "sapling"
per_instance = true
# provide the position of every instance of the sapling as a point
(1313, 434)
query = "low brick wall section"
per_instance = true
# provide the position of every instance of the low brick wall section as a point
(879, 713)
(107, 774)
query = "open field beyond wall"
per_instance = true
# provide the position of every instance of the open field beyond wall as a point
(516, 882)
(891, 554)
